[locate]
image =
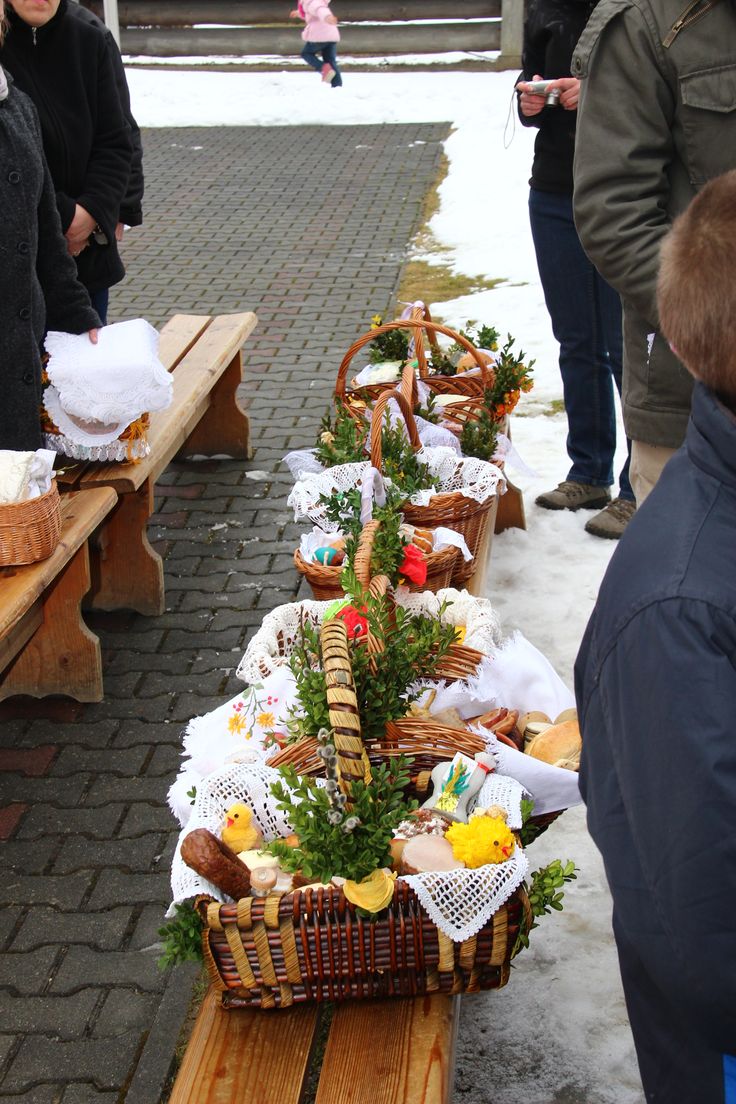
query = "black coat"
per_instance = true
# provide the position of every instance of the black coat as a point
(67, 69)
(38, 279)
(655, 682)
(551, 31)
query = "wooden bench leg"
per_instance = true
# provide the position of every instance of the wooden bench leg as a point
(224, 430)
(126, 571)
(510, 509)
(249, 1056)
(398, 1051)
(62, 656)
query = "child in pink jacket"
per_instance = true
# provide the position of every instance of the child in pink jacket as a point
(320, 37)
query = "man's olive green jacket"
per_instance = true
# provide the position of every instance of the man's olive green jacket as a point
(657, 120)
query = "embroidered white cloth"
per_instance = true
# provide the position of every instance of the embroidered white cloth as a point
(25, 475)
(102, 388)
(458, 902)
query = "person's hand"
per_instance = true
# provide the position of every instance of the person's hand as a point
(331, 19)
(92, 335)
(294, 14)
(569, 92)
(79, 230)
(530, 103)
(119, 231)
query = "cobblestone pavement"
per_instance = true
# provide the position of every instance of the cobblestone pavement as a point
(307, 226)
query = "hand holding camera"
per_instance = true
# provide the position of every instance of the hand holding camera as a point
(537, 94)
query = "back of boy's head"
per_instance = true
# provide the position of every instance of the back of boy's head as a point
(696, 289)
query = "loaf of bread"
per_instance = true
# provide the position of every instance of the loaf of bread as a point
(559, 744)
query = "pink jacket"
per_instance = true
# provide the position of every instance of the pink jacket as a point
(317, 30)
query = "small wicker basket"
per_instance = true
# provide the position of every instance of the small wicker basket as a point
(30, 530)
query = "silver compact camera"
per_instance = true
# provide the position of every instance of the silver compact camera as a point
(540, 87)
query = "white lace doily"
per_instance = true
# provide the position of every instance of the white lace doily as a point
(114, 381)
(272, 645)
(458, 902)
(470, 477)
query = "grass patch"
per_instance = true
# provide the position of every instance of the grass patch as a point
(437, 283)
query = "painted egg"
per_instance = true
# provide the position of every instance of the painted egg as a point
(327, 556)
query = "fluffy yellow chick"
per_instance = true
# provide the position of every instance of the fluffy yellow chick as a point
(238, 831)
(483, 840)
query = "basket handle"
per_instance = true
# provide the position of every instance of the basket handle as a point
(377, 425)
(363, 553)
(342, 703)
(416, 324)
(420, 314)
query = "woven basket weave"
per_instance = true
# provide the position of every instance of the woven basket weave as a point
(30, 530)
(312, 946)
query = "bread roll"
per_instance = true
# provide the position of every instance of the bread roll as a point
(559, 742)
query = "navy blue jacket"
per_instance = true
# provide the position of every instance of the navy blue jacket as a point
(655, 682)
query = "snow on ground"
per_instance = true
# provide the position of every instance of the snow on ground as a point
(562, 1018)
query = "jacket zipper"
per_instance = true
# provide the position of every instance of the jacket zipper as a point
(33, 36)
(688, 17)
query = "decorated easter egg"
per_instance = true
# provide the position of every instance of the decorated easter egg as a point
(327, 555)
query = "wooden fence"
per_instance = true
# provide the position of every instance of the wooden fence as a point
(239, 28)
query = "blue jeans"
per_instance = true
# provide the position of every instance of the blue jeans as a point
(100, 301)
(586, 321)
(329, 57)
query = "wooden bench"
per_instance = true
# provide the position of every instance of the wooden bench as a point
(398, 1051)
(204, 419)
(45, 647)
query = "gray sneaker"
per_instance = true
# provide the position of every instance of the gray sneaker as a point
(574, 496)
(611, 522)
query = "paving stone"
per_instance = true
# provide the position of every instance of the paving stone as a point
(113, 888)
(28, 974)
(83, 965)
(42, 1059)
(46, 819)
(134, 855)
(123, 1010)
(105, 930)
(65, 891)
(146, 934)
(126, 762)
(88, 1094)
(29, 856)
(143, 817)
(65, 1017)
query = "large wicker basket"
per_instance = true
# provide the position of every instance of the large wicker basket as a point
(325, 579)
(465, 515)
(30, 530)
(312, 945)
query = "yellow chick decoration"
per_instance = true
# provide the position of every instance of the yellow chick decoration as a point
(238, 831)
(482, 840)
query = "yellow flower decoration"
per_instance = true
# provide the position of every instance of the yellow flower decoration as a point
(236, 723)
(265, 720)
(460, 632)
(372, 893)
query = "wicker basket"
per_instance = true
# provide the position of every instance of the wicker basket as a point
(325, 580)
(464, 515)
(312, 946)
(30, 530)
(471, 387)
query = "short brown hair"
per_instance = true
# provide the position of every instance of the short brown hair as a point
(696, 289)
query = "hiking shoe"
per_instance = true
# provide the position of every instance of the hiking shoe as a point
(574, 496)
(611, 522)
(327, 72)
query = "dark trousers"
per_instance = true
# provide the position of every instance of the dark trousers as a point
(100, 301)
(328, 50)
(586, 320)
(676, 1066)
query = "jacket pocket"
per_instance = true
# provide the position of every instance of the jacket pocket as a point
(709, 121)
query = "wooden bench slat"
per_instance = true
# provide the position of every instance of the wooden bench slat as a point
(398, 1051)
(243, 1056)
(193, 382)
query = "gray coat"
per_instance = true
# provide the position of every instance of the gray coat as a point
(39, 289)
(656, 121)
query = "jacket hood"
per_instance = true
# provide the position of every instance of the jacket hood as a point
(711, 435)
